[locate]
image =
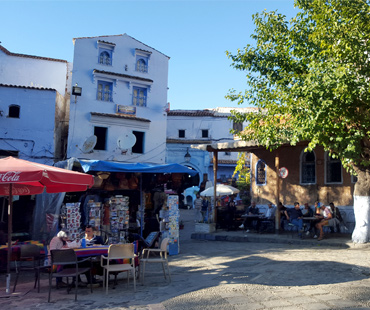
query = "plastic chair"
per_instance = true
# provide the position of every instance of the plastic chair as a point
(162, 259)
(68, 259)
(119, 252)
(30, 253)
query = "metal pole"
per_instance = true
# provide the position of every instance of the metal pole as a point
(10, 215)
(141, 211)
(215, 166)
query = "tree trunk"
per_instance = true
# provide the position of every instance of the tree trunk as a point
(361, 206)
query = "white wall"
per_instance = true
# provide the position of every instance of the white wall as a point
(32, 134)
(26, 70)
(82, 125)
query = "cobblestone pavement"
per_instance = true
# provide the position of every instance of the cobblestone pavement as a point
(228, 275)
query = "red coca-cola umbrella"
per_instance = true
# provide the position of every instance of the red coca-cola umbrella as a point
(22, 177)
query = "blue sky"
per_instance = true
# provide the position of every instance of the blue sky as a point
(195, 34)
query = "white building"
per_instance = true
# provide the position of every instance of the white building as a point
(123, 101)
(189, 127)
(34, 101)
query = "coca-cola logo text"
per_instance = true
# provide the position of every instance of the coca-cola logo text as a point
(10, 176)
(18, 191)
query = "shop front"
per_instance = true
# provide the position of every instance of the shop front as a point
(126, 200)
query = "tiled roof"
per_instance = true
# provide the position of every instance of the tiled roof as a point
(105, 42)
(139, 49)
(121, 35)
(30, 56)
(194, 113)
(225, 162)
(121, 116)
(28, 87)
(187, 141)
(123, 75)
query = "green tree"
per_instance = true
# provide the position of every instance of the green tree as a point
(309, 77)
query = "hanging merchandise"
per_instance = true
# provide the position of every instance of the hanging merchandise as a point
(119, 218)
(95, 215)
(173, 224)
(73, 217)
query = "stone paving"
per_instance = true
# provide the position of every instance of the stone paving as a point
(248, 274)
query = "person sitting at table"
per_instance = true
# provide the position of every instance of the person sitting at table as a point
(307, 212)
(294, 216)
(91, 238)
(230, 213)
(57, 243)
(337, 219)
(324, 220)
(248, 221)
(281, 209)
(269, 216)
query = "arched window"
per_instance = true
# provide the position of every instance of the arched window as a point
(308, 168)
(104, 58)
(261, 172)
(141, 65)
(333, 171)
(14, 111)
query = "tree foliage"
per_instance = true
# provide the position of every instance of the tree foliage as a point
(309, 77)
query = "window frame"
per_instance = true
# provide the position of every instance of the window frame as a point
(11, 108)
(142, 60)
(98, 146)
(260, 161)
(109, 53)
(140, 139)
(307, 164)
(138, 98)
(104, 83)
(329, 164)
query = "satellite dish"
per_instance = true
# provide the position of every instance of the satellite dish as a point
(126, 141)
(89, 144)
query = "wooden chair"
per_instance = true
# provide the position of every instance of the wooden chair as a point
(162, 259)
(119, 252)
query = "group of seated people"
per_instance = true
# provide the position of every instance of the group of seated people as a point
(60, 242)
(305, 219)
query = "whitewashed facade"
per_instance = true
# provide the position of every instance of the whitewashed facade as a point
(190, 127)
(33, 107)
(124, 94)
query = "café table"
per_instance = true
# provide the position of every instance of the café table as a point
(96, 250)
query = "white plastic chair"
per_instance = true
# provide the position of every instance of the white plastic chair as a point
(119, 252)
(162, 258)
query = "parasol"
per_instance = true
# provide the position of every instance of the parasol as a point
(221, 189)
(22, 177)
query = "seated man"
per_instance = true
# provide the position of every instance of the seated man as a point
(91, 238)
(307, 212)
(294, 216)
(268, 218)
(248, 221)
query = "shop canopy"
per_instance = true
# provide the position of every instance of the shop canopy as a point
(108, 166)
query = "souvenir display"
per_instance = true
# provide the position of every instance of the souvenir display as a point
(73, 218)
(173, 224)
(119, 217)
(95, 215)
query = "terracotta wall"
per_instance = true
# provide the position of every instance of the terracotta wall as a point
(290, 188)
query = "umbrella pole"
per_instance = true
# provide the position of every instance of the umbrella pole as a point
(10, 217)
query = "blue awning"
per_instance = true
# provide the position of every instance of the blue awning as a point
(109, 166)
